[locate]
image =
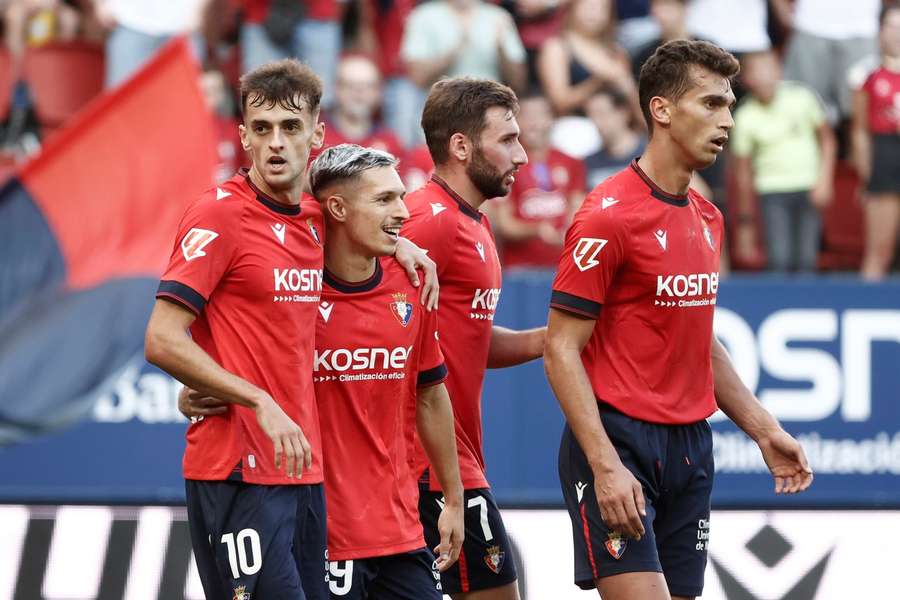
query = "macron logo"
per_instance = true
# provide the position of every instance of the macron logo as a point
(661, 238)
(437, 208)
(607, 202)
(579, 490)
(278, 229)
(220, 193)
(480, 248)
(325, 309)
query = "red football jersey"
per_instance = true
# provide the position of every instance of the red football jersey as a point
(251, 269)
(379, 138)
(375, 344)
(541, 193)
(459, 239)
(883, 91)
(651, 260)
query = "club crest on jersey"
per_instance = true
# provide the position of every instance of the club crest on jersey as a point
(195, 241)
(586, 251)
(493, 558)
(314, 231)
(709, 238)
(401, 309)
(241, 593)
(615, 545)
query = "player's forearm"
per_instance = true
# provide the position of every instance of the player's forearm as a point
(434, 422)
(736, 400)
(827, 153)
(510, 348)
(513, 73)
(178, 355)
(861, 147)
(570, 384)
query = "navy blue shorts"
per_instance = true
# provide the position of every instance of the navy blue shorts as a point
(486, 560)
(259, 541)
(674, 464)
(406, 576)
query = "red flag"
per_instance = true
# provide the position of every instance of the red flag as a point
(113, 185)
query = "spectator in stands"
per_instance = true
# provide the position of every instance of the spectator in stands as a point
(608, 109)
(828, 37)
(416, 167)
(585, 57)
(380, 33)
(671, 19)
(739, 26)
(357, 100)
(784, 152)
(532, 220)
(876, 149)
(306, 29)
(537, 21)
(37, 22)
(459, 38)
(636, 27)
(220, 100)
(139, 28)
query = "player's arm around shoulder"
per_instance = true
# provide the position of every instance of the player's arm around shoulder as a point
(434, 421)
(783, 454)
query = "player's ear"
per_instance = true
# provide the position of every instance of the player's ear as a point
(318, 137)
(336, 206)
(661, 110)
(460, 147)
(245, 143)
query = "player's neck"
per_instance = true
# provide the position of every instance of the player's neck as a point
(353, 127)
(660, 162)
(290, 197)
(459, 182)
(344, 260)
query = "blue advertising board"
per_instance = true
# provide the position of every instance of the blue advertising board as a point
(823, 354)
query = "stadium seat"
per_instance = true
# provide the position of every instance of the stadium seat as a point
(6, 83)
(62, 78)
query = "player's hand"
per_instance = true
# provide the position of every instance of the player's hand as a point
(820, 195)
(195, 405)
(787, 462)
(411, 258)
(452, 530)
(291, 447)
(621, 500)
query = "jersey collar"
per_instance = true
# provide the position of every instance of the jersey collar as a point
(267, 200)
(346, 287)
(464, 206)
(656, 191)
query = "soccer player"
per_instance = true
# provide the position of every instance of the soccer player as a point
(473, 137)
(630, 351)
(379, 373)
(233, 320)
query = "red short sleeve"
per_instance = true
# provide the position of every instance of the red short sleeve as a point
(432, 232)
(432, 369)
(592, 255)
(203, 252)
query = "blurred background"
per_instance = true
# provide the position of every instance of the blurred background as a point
(115, 113)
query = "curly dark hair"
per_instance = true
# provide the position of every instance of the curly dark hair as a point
(668, 72)
(281, 82)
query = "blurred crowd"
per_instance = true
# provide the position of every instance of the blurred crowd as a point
(811, 181)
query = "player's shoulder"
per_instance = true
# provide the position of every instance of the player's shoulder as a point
(220, 203)
(616, 196)
(708, 210)
(430, 208)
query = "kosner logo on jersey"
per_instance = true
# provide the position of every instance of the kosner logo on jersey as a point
(361, 359)
(486, 299)
(693, 284)
(298, 280)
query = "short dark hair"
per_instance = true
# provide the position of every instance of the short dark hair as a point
(459, 105)
(668, 72)
(281, 82)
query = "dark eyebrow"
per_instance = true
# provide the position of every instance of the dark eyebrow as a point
(719, 100)
(388, 194)
(259, 123)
